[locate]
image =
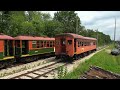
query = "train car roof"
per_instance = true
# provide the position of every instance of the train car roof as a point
(5, 37)
(32, 38)
(76, 36)
(44, 38)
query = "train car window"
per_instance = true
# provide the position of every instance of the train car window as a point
(94, 43)
(53, 43)
(79, 43)
(69, 42)
(87, 44)
(38, 44)
(50, 43)
(41, 43)
(82, 44)
(63, 42)
(47, 43)
(18, 44)
(34, 44)
(91, 43)
(44, 43)
(57, 42)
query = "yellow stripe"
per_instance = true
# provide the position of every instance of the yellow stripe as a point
(8, 57)
(25, 55)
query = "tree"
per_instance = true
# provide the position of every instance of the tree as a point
(69, 21)
(5, 22)
(35, 23)
(16, 20)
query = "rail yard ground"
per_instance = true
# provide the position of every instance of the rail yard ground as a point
(23, 67)
(102, 59)
(47, 73)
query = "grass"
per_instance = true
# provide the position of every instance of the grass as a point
(102, 59)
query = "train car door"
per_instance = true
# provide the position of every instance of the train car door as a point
(11, 48)
(25, 47)
(74, 45)
(63, 45)
(17, 48)
(8, 48)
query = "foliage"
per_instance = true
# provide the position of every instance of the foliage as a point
(62, 71)
(35, 23)
(69, 21)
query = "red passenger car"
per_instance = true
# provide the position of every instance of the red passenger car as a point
(32, 47)
(73, 45)
(6, 47)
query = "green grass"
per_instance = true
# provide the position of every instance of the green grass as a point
(101, 59)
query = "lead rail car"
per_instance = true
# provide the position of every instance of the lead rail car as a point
(69, 45)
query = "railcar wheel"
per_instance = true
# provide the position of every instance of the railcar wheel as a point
(57, 57)
(70, 59)
(77, 57)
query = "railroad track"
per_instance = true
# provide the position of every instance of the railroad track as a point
(24, 67)
(14, 63)
(21, 63)
(39, 73)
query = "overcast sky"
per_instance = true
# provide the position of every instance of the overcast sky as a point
(104, 21)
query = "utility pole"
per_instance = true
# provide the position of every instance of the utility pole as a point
(115, 32)
(97, 37)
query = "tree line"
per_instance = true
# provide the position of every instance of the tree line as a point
(36, 23)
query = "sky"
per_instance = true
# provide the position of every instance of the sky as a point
(104, 21)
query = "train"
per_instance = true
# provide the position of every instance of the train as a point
(30, 48)
(24, 48)
(73, 46)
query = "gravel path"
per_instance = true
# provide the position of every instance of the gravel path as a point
(9, 71)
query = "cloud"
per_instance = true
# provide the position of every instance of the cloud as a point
(101, 20)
